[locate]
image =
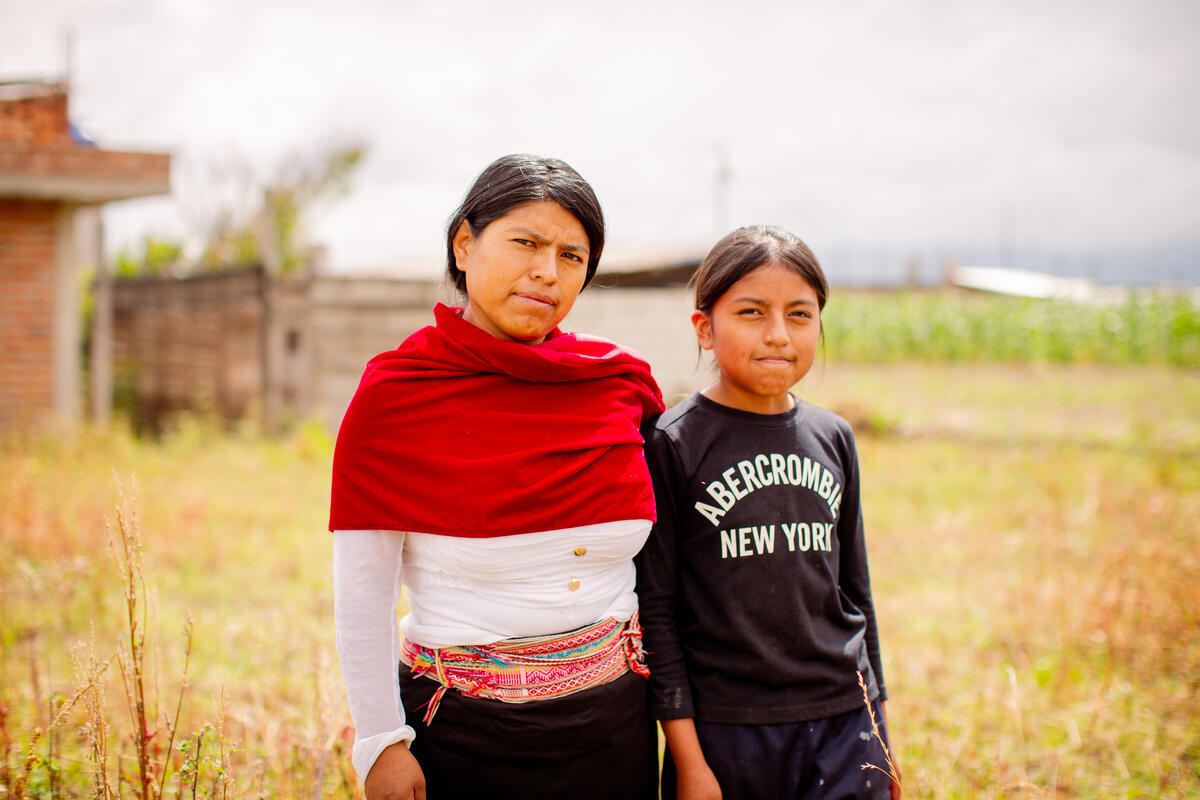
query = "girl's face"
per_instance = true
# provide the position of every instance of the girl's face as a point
(763, 333)
(523, 271)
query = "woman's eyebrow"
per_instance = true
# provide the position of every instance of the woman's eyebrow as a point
(529, 233)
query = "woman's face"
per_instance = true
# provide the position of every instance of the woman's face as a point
(523, 271)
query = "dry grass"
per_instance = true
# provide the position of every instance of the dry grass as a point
(1033, 546)
(236, 574)
(1036, 591)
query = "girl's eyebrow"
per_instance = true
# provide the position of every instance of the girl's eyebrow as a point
(529, 233)
(803, 301)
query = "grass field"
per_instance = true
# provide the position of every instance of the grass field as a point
(1034, 549)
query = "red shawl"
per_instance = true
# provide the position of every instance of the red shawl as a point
(459, 433)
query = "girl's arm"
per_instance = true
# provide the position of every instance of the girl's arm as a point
(854, 577)
(658, 601)
(366, 590)
(696, 778)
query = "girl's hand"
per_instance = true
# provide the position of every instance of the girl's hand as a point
(395, 775)
(697, 783)
(696, 780)
(893, 786)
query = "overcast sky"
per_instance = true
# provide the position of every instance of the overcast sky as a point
(979, 131)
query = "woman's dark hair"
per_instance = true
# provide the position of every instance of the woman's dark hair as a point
(747, 249)
(514, 180)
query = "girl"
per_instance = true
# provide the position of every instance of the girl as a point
(754, 590)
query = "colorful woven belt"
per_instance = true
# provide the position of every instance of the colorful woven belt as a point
(532, 668)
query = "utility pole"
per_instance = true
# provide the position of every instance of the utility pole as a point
(272, 329)
(721, 180)
(101, 354)
(1006, 243)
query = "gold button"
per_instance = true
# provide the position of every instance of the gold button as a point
(574, 584)
(579, 551)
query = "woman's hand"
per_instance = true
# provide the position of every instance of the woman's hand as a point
(395, 775)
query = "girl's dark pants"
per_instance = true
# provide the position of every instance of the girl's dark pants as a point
(598, 743)
(821, 758)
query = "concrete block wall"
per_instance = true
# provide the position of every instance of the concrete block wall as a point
(196, 343)
(354, 319)
(190, 345)
(656, 322)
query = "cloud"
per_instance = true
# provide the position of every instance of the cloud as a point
(919, 125)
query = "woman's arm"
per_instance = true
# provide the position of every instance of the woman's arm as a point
(366, 590)
(658, 589)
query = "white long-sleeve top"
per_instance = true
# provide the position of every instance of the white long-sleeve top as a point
(462, 592)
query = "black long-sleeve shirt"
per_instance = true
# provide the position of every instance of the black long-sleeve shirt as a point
(754, 591)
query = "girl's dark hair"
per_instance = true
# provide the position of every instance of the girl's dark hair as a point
(514, 180)
(747, 249)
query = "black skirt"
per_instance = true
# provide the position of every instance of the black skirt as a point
(598, 743)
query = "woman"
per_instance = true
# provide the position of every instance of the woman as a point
(493, 466)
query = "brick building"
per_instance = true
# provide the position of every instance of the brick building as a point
(48, 180)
